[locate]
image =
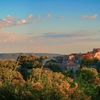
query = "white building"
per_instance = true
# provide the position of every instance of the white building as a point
(72, 66)
(97, 55)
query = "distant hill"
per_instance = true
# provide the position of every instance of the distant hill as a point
(15, 55)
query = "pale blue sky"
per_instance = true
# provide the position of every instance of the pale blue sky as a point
(52, 26)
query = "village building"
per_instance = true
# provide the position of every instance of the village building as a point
(96, 50)
(71, 66)
(97, 55)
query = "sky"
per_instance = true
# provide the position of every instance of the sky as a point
(49, 26)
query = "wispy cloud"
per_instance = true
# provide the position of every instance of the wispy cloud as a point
(10, 21)
(60, 17)
(89, 17)
(38, 16)
(30, 16)
(49, 15)
(50, 39)
(8, 37)
(65, 35)
(47, 41)
(21, 21)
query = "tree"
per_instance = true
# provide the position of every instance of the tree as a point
(43, 58)
(88, 74)
(98, 66)
(88, 62)
(53, 66)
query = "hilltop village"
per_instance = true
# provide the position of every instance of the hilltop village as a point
(71, 62)
(74, 61)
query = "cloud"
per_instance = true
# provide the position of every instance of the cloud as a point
(47, 42)
(39, 16)
(9, 37)
(65, 35)
(60, 17)
(51, 39)
(7, 21)
(10, 21)
(49, 15)
(21, 21)
(30, 16)
(89, 17)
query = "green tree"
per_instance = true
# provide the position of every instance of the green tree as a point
(88, 62)
(88, 74)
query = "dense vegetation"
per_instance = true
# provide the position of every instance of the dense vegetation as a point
(46, 82)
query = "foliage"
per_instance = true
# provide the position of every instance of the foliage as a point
(87, 61)
(98, 66)
(53, 66)
(88, 80)
(43, 84)
(66, 73)
(88, 74)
